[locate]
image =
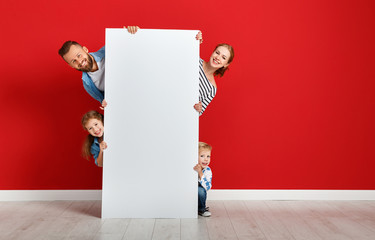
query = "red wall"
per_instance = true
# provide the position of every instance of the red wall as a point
(295, 111)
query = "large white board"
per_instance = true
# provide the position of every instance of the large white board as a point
(151, 128)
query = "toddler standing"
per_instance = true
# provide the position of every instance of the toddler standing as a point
(204, 177)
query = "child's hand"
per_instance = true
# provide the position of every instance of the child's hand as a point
(104, 104)
(198, 107)
(103, 145)
(199, 37)
(198, 168)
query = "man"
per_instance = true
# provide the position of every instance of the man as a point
(92, 65)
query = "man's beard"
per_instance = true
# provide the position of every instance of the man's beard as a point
(89, 64)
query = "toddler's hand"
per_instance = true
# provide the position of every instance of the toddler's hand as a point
(197, 168)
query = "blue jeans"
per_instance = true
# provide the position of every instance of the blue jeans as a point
(202, 196)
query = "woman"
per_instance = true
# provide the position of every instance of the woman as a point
(219, 61)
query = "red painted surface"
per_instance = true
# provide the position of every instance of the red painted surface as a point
(295, 111)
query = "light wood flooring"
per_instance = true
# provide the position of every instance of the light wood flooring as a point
(281, 220)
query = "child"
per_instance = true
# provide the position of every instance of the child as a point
(205, 177)
(94, 145)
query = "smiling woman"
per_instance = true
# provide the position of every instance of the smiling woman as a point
(219, 61)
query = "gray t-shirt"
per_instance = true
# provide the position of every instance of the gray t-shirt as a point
(98, 76)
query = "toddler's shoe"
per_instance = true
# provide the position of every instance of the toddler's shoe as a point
(205, 214)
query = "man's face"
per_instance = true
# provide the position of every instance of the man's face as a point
(78, 57)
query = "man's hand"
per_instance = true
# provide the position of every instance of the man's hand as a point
(104, 104)
(132, 29)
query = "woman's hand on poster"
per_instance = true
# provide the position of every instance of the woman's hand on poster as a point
(199, 37)
(198, 107)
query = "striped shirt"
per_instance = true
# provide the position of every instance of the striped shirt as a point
(207, 91)
(206, 179)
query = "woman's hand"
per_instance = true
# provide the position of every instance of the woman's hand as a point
(199, 37)
(132, 29)
(198, 107)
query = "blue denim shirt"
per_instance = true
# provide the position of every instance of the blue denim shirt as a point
(95, 149)
(88, 84)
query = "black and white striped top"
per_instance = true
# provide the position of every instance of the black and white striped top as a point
(207, 91)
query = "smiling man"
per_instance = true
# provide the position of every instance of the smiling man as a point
(92, 65)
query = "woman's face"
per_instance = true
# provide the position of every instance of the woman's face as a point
(220, 57)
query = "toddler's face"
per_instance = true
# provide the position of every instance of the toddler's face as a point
(204, 158)
(95, 127)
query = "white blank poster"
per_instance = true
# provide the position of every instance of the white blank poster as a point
(151, 127)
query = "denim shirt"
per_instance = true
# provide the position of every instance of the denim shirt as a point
(95, 149)
(88, 84)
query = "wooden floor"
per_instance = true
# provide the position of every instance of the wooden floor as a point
(281, 220)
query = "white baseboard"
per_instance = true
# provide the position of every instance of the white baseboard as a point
(291, 195)
(52, 195)
(49, 195)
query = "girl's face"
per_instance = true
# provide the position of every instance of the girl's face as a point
(95, 127)
(204, 158)
(220, 57)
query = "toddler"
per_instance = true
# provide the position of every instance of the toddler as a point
(204, 177)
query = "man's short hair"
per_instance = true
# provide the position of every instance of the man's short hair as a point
(66, 46)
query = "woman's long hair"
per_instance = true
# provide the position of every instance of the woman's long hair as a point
(222, 70)
(86, 147)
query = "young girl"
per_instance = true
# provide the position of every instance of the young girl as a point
(94, 145)
(219, 61)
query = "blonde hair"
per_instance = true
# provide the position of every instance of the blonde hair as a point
(204, 146)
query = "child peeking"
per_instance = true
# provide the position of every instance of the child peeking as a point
(94, 145)
(204, 177)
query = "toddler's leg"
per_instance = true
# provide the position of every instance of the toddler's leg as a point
(202, 195)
